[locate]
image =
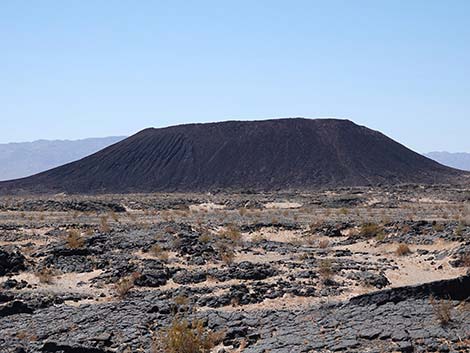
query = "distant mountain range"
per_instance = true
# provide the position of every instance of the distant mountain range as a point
(19, 160)
(281, 154)
(459, 160)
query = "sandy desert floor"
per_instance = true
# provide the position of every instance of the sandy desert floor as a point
(352, 270)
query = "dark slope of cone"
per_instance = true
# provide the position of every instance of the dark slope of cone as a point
(236, 155)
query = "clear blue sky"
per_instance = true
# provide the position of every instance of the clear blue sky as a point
(74, 69)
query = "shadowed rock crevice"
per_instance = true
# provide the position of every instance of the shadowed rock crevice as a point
(453, 289)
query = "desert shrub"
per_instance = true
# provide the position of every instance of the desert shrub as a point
(26, 336)
(183, 337)
(380, 236)
(323, 244)
(405, 229)
(226, 254)
(205, 237)
(160, 253)
(258, 238)
(459, 229)
(181, 300)
(125, 284)
(370, 230)
(104, 226)
(325, 270)
(46, 275)
(308, 240)
(465, 220)
(438, 227)
(74, 239)
(232, 233)
(242, 211)
(402, 250)
(170, 230)
(442, 310)
(313, 227)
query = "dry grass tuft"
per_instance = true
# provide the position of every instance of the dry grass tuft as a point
(74, 239)
(183, 337)
(104, 226)
(46, 275)
(442, 310)
(232, 233)
(124, 285)
(370, 230)
(323, 244)
(160, 253)
(402, 250)
(325, 270)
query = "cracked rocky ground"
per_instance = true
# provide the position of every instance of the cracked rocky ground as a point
(351, 270)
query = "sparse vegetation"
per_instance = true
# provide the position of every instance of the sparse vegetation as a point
(402, 250)
(232, 233)
(104, 226)
(323, 244)
(370, 230)
(325, 270)
(226, 255)
(442, 310)
(459, 229)
(124, 285)
(74, 239)
(160, 253)
(205, 237)
(46, 275)
(181, 300)
(183, 337)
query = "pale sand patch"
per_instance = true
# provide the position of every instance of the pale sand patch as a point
(67, 282)
(412, 269)
(208, 206)
(282, 205)
(261, 257)
(429, 200)
(278, 235)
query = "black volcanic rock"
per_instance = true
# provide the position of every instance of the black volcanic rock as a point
(237, 155)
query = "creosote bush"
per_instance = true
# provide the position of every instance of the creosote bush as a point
(160, 253)
(185, 337)
(232, 233)
(74, 239)
(227, 255)
(370, 230)
(125, 284)
(325, 270)
(205, 237)
(402, 250)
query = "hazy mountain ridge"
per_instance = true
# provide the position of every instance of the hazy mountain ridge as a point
(459, 160)
(21, 159)
(260, 155)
